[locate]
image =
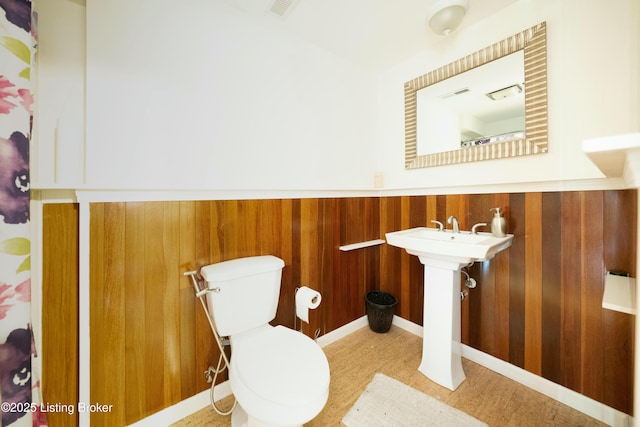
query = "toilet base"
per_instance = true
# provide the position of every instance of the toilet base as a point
(240, 418)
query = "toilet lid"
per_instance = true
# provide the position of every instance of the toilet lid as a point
(281, 365)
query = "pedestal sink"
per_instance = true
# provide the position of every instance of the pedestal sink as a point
(443, 254)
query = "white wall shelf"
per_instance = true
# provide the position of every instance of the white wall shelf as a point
(616, 156)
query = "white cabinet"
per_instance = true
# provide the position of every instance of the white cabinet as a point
(57, 159)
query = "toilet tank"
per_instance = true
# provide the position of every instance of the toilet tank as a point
(244, 292)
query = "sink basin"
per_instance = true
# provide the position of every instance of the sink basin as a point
(462, 248)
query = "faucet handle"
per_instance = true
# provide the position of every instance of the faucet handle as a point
(474, 229)
(440, 225)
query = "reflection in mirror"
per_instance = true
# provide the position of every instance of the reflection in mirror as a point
(443, 126)
(481, 106)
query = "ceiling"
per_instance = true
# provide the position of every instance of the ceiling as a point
(373, 33)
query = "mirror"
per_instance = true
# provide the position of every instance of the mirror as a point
(481, 106)
(428, 143)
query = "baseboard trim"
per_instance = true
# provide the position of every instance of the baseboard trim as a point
(577, 401)
(342, 331)
(184, 408)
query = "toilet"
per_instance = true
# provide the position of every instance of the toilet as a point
(280, 377)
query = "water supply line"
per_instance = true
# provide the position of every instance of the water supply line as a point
(201, 293)
(469, 283)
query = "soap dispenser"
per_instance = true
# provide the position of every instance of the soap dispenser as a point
(498, 223)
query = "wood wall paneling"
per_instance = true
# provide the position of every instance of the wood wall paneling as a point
(60, 314)
(107, 319)
(551, 285)
(135, 314)
(391, 276)
(500, 266)
(620, 246)
(591, 290)
(517, 274)
(188, 305)
(537, 305)
(570, 301)
(533, 284)
(328, 274)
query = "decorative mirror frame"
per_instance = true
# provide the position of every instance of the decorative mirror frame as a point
(534, 43)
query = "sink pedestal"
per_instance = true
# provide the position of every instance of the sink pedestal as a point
(441, 350)
(443, 253)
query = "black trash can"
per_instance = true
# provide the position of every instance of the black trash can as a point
(381, 307)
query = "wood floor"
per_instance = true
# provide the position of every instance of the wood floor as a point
(485, 395)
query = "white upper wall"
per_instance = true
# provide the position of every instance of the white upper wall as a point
(199, 95)
(592, 50)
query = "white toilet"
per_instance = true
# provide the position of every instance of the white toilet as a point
(279, 377)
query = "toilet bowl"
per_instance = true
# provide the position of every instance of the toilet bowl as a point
(279, 377)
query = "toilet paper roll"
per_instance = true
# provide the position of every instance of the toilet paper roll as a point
(306, 299)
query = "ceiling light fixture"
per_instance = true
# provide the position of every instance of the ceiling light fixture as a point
(445, 15)
(505, 93)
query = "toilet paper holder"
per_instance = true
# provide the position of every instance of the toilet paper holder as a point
(295, 314)
(314, 302)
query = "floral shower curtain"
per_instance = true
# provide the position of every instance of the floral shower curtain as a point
(20, 390)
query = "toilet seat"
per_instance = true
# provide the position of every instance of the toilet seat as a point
(278, 375)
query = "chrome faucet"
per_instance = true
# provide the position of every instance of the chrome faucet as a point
(453, 220)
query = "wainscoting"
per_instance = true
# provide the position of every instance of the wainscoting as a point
(537, 305)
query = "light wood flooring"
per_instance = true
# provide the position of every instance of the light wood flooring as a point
(485, 395)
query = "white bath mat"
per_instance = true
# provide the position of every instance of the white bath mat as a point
(387, 402)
